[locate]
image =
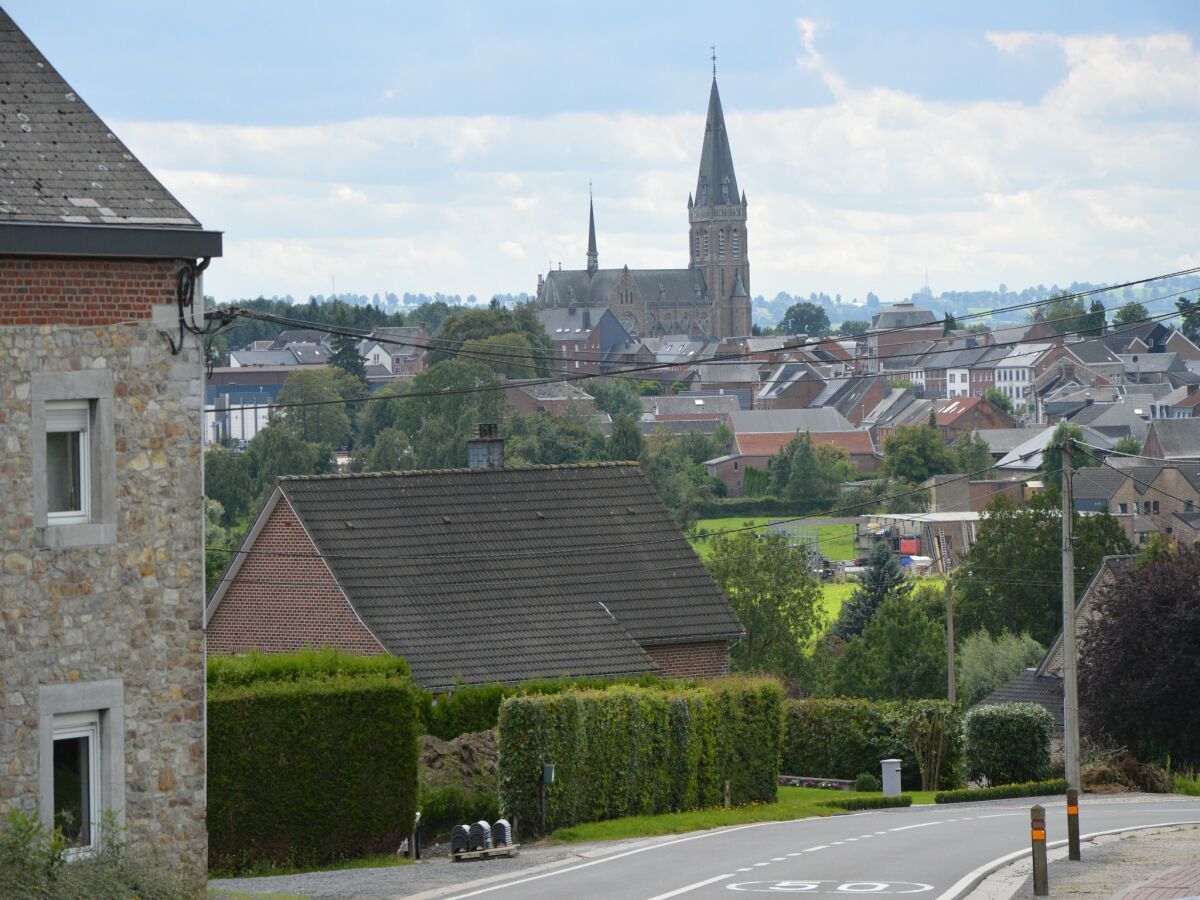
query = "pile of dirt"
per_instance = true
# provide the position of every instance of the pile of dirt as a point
(468, 761)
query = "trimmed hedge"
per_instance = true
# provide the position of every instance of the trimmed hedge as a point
(757, 506)
(639, 751)
(312, 770)
(856, 803)
(839, 738)
(1003, 792)
(252, 668)
(1008, 743)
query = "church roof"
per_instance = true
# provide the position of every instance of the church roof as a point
(716, 160)
(668, 287)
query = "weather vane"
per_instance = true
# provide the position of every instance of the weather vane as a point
(713, 48)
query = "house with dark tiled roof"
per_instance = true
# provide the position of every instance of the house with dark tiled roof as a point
(1175, 439)
(476, 576)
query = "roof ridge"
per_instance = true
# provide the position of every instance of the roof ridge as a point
(599, 464)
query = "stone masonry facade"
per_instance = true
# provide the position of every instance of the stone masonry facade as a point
(709, 659)
(120, 616)
(284, 598)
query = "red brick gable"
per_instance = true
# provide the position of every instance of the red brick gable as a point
(709, 659)
(83, 291)
(284, 598)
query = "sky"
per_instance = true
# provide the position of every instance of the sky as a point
(384, 146)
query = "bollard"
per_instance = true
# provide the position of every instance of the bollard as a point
(1037, 832)
(1073, 825)
(728, 795)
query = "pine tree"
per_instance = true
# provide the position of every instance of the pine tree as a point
(883, 579)
(345, 356)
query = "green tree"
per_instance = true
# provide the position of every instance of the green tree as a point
(901, 654)
(445, 404)
(216, 539)
(1052, 458)
(505, 354)
(614, 395)
(1128, 444)
(391, 452)
(650, 387)
(381, 412)
(916, 452)
(803, 472)
(883, 579)
(1130, 314)
(804, 318)
(227, 481)
(773, 595)
(494, 321)
(1095, 318)
(550, 440)
(320, 415)
(972, 454)
(345, 354)
(1064, 312)
(999, 398)
(853, 327)
(626, 440)
(987, 662)
(1189, 313)
(277, 450)
(949, 324)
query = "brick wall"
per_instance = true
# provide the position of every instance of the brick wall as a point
(82, 292)
(281, 601)
(701, 660)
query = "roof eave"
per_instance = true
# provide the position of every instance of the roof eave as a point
(120, 241)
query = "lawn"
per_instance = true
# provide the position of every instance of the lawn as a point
(791, 803)
(267, 870)
(837, 541)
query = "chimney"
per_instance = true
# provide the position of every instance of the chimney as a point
(486, 449)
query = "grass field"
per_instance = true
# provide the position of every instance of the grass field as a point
(837, 541)
(791, 803)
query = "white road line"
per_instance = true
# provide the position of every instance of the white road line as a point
(837, 843)
(778, 859)
(794, 854)
(851, 840)
(747, 869)
(692, 887)
(818, 847)
(760, 865)
(1002, 815)
(921, 825)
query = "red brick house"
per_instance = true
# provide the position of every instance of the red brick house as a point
(758, 449)
(476, 576)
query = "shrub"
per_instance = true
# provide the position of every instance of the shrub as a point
(1008, 743)
(251, 668)
(857, 803)
(1002, 792)
(840, 738)
(444, 807)
(311, 770)
(867, 782)
(632, 750)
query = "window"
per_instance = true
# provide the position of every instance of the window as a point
(736, 241)
(706, 245)
(68, 485)
(1155, 506)
(1188, 506)
(721, 246)
(1124, 507)
(697, 251)
(77, 778)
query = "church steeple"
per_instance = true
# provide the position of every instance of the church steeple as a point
(593, 257)
(716, 184)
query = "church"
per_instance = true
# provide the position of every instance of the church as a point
(711, 297)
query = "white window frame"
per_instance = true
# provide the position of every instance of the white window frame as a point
(73, 417)
(85, 725)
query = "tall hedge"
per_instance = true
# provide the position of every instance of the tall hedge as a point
(631, 750)
(839, 738)
(310, 770)
(1008, 743)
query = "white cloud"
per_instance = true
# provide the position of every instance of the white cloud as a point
(1013, 41)
(1096, 181)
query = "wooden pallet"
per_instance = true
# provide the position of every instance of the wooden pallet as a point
(493, 853)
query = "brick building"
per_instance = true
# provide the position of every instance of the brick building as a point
(477, 575)
(101, 510)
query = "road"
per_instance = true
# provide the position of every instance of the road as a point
(933, 852)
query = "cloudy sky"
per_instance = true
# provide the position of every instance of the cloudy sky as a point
(448, 147)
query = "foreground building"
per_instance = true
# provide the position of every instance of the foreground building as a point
(101, 506)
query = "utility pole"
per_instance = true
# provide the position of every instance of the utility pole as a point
(1070, 676)
(950, 679)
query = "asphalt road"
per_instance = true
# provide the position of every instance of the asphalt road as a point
(934, 853)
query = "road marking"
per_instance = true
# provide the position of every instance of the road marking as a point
(837, 843)
(1001, 815)
(778, 859)
(692, 887)
(921, 825)
(849, 840)
(818, 847)
(797, 853)
(747, 869)
(757, 865)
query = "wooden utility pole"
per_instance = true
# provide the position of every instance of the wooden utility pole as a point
(950, 679)
(1070, 675)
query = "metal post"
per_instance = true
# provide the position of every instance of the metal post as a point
(1037, 832)
(542, 797)
(1073, 825)
(950, 679)
(1070, 674)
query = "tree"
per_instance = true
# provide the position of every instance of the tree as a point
(1128, 444)
(614, 395)
(972, 454)
(999, 398)
(1189, 312)
(883, 579)
(320, 415)
(987, 662)
(949, 324)
(773, 595)
(216, 540)
(1052, 458)
(650, 387)
(1064, 312)
(345, 354)
(626, 440)
(804, 318)
(803, 472)
(1130, 314)
(391, 452)
(1138, 659)
(901, 654)
(227, 481)
(916, 452)
(544, 439)
(493, 321)
(277, 450)
(1095, 318)
(505, 354)
(853, 327)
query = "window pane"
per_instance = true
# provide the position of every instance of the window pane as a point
(62, 472)
(72, 789)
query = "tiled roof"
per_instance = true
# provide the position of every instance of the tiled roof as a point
(691, 405)
(1179, 438)
(769, 444)
(902, 315)
(793, 420)
(508, 574)
(1029, 687)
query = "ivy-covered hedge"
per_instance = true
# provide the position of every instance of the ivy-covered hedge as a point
(1003, 792)
(839, 738)
(1008, 743)
(633, 750)
(310, 770)
(854, 804)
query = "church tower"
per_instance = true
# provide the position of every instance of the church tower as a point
(717, 241)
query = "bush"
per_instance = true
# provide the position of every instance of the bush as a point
(444, 807)
(1008, 743)
(639, 751)
(251, 668)
(756, 506)
(840, 738)
(1002, 792)
(857, 803)
(307, 771)
(867, 782)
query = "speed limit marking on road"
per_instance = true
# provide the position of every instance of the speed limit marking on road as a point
(830, 887)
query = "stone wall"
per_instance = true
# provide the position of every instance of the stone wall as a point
(128, 612)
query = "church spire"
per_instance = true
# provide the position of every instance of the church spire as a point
(716, 184)
(593, 258)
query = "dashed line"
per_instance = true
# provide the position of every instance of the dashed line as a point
(881, 832)
(747, 869)
(797, 853)
(778, 859)
(920, 825)
(758, 865)
(837, 843)
(851, 840)
(863, 837)
(818, 847)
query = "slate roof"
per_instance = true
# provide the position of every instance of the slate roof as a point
(748, 374)
(1179, 438)
(567, 324)
(1029, 687)
(508, 574)
(1004, 440)
(690, 405)
(788, 420)
(670, 287)
(902, 315)
(716, 160)
(1094, 488)
(59, 162)
(1094, 352)
(264, 357)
